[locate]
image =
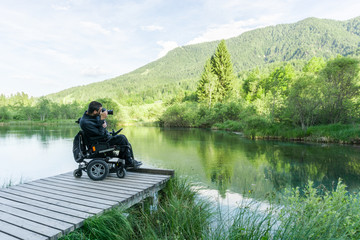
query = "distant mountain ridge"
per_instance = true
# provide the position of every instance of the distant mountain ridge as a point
(181, 67)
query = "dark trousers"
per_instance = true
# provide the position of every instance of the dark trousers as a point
(126, 149)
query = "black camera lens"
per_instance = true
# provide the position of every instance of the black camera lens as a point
(110, 112)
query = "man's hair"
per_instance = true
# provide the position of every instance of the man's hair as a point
(94, 105)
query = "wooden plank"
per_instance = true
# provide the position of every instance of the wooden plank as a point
(20, 232)
(60, 225)
(47, 206)
(4, 236)
(64, 192)
(126, 184)
(129, 175)
(118, 180)
(40, 229)
(77, 190)
(154, 171)
(111, 186)
(41, 211)
(142, 176)
(137, 179)
(123, 183)
(61, 197)
(133, 183)
(93, 189)
(97, 186)
(150, 175)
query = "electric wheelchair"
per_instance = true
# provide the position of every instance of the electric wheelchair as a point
(98, 159)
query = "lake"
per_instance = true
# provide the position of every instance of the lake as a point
(222, 162)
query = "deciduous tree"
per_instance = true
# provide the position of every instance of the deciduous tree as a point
(341, 80)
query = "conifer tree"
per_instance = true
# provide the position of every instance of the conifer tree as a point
(206, 87)
(223, 69)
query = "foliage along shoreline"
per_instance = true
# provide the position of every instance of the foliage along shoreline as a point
(334, 133)
(317, 101)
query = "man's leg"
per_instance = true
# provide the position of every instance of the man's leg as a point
(121, 140)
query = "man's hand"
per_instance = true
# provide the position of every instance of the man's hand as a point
(104, 124)
(103, 115)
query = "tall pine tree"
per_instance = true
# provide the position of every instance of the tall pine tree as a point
(222, 67)
(216, 80)
(206, 87)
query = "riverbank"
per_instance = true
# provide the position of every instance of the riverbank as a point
(182, 214)
(38, 123)
(334, 133)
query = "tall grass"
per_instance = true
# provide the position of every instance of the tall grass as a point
(181, 215)
(11, 182)
(333, 215)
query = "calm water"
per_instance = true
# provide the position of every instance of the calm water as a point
(221, 161)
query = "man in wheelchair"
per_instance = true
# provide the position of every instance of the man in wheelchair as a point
(93, 124)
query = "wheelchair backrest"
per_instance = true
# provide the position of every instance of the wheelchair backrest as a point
(79, 147)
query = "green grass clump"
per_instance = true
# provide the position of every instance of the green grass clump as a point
(180, 215)
(308, 215)
(334, 215)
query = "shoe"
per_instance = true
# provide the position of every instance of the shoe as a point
(137, 163)
(134, 164)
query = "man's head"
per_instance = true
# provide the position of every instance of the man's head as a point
(94, 108)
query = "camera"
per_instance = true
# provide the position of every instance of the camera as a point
(110, 112)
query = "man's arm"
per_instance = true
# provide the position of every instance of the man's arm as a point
(92, 127)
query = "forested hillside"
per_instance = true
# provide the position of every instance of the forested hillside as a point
(181, 68)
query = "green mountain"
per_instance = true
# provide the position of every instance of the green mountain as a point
(180, 69)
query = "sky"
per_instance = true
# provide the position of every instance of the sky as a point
(50, 45)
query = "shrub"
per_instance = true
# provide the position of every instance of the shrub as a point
(180, 115)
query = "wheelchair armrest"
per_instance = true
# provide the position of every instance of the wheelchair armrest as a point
(101, 147)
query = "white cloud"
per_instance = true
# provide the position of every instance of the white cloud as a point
(93, 71)
(152, 28)
(60, 7)
(94, 28)
(167, 46)
(232, 29)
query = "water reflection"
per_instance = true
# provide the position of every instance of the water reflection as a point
(225, 160)
(218, 160)
(32, 152)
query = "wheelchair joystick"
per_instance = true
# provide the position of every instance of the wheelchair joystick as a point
(113, 133)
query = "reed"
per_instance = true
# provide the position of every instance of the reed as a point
(182, 215)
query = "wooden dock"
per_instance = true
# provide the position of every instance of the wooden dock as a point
(52, 207)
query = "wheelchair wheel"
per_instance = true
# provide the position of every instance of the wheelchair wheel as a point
(97, 170)
(77, 173)
(121, 172)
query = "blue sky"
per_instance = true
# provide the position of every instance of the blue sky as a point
(50, 45)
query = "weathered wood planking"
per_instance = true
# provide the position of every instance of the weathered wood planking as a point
(52, 207)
